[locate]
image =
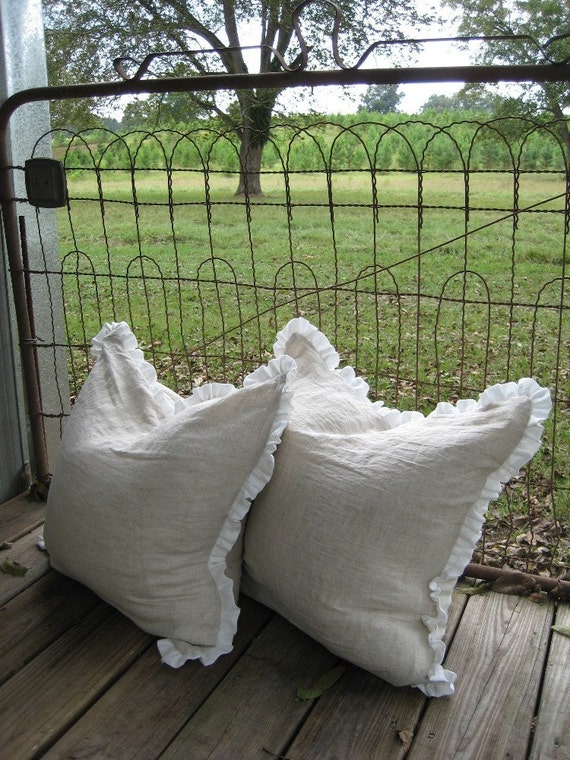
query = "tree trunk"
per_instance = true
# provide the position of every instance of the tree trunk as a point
(561, 122)
(564, 133)
(256, 109)
(250, 155)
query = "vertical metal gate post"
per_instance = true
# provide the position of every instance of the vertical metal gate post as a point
(27, 345)
(22, 65)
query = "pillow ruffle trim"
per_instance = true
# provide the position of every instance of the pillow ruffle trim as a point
(440, 681)
(326, 351)
(119, 337)
(174, 652)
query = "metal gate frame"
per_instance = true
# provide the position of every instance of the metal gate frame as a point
(286, 79)
(300, 77)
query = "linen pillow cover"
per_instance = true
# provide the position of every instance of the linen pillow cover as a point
(372, 514)
(149, 490)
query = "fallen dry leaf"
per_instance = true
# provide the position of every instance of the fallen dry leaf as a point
(406, 737)
(11, 567)
(479, 588)
(325, 682)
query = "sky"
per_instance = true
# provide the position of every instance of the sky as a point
(332, 100)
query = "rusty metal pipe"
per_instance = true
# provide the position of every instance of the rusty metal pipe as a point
(286, 79)
(25, 332)
(487, 573)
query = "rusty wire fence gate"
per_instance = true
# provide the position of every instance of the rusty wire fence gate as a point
(434, 257)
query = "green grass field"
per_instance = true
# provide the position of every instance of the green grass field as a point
(286, 246)
(426, 301)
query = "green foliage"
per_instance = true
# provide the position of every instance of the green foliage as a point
(156, 111)
(533, 23)
(435, 143)
(74, 114)
(83, 37)
(471, 98)
(381, 98)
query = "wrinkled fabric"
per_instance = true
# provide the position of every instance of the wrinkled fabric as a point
(372, 513)
(149, 491)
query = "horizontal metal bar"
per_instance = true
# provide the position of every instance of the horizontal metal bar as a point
(555, 586)
(287, 79)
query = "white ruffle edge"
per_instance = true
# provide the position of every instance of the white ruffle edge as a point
(326, 351)
(440, 681)
(174, 652)
(119, 335)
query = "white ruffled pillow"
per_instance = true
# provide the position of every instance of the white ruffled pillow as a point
(372, 514)
(149, 490)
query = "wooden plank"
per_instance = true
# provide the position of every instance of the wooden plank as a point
(498, 653)
(255, 712)
(141, 714)
(363, 717)
(26, 552)
(360, 718)
(46, 696)
(20, 516)
(552, 734)
(36, 617)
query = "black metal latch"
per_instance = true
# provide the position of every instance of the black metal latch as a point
(45, 182)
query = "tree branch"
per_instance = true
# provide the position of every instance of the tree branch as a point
(188, 20)
(236, 63)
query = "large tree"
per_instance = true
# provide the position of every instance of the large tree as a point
(381, 98)
(84, 36)
(475, 98)
(537, 28)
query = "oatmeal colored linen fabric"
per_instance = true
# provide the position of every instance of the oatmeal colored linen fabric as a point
(372, 514)
(149, 490)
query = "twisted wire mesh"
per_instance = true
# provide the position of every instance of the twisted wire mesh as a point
(434, 257)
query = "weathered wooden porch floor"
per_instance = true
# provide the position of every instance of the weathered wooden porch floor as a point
(79, 680)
